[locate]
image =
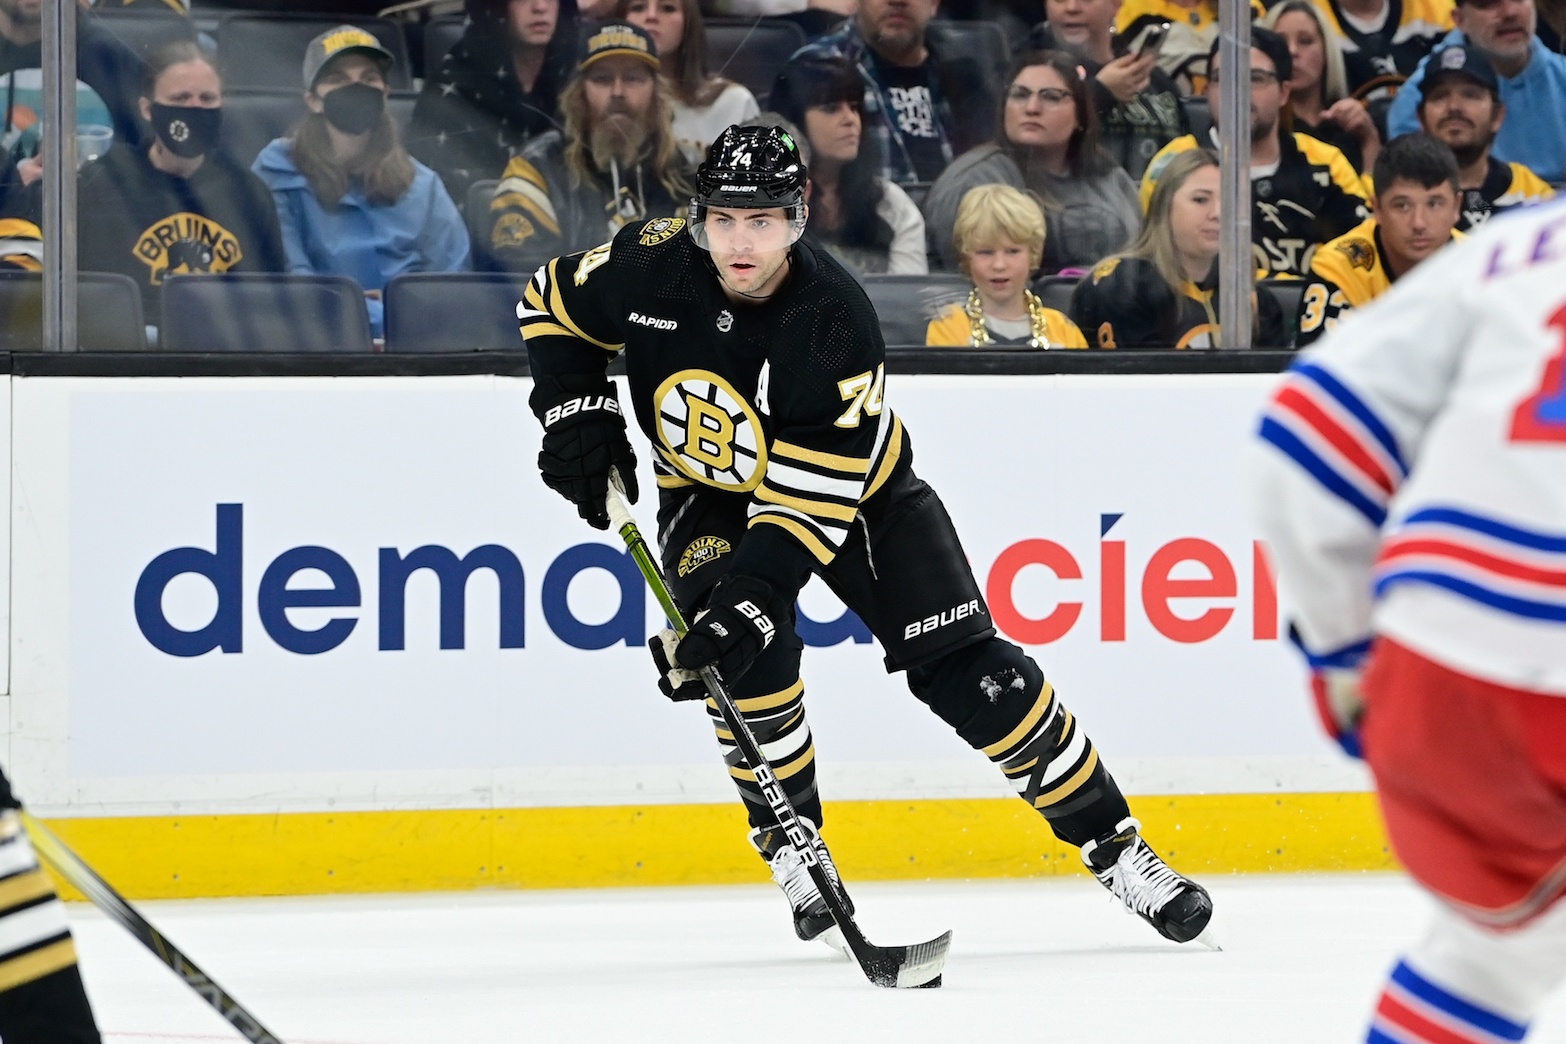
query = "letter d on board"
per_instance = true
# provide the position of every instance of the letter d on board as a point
(222, 567)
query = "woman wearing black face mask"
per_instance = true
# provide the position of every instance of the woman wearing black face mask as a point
(177, 205)
(350, 199)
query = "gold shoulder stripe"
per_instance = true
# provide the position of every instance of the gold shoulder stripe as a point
(543, 328)
(521, 168)
(797, 529)
(558, 310)
(852, 465)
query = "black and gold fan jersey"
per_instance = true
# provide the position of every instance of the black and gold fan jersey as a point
(780, 402)
(1506, 185)
(1376, 63)
(1346, 274)
(1126, 303)
(1313, 196)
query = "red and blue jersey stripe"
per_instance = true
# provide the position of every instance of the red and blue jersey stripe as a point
(1414, 1010)
(1498, 564)
(1337, 438)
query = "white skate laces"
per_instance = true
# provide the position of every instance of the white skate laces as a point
(812, 918)
(1146, 886)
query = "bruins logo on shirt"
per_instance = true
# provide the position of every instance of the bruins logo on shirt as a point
(703, 550)
(185, 243)
(709, 432)
(661, 231)
(1360, 253)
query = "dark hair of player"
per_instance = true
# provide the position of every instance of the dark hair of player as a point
(1419, 158)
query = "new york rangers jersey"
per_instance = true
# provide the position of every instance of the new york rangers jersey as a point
(1411, 470)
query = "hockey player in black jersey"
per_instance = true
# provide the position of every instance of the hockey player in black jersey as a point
(756, 370)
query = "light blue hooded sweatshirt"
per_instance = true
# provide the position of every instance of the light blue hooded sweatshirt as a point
(368, 242)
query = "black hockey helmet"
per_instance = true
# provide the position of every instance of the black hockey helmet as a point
(750, 168)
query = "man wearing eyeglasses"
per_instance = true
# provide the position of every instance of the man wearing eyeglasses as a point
(1532, 85)
(1304, 192)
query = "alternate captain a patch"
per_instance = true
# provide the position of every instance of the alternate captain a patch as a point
(702, 550)
(185, 243)
(661, 230)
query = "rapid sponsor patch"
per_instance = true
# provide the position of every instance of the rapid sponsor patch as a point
(701, 551)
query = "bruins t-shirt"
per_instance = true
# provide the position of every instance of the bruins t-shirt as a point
(146, 224)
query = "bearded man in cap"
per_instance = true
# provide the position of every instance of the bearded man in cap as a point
(615, 162)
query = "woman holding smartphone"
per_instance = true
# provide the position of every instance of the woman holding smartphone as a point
(1137, 103)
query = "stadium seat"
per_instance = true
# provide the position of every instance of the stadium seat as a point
(1055, 291)
(267, 50)
(453, 312)
(264, 313)
(752, 51)
(1287, 292)
(479, 221)
(144, 30)
(441, 34)
(907, 303)
(1199, 117)
(252, 119)
(108, 312)
(984, 42)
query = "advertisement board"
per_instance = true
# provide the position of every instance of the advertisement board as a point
(298, 594)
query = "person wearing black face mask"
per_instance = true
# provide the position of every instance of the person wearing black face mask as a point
(350, 199)
(177, 205)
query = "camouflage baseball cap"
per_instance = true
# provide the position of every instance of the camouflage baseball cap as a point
(345, 39)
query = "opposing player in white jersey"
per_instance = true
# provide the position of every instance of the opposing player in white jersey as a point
(1412, 485)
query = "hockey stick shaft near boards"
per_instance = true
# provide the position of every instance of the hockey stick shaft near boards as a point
(71, 867)
(890, 966)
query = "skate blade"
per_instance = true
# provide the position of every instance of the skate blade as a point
(1208, 939)
(833, 937)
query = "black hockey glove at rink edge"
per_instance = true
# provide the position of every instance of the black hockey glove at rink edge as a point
(584, 436)
(729, 634)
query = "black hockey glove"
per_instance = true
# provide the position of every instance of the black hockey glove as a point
(584, 436)
(729, 634)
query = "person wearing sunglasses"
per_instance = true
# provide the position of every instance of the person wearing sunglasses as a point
(1304, 192)
(1047, 145)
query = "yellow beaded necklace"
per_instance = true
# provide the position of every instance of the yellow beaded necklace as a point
(979, 334)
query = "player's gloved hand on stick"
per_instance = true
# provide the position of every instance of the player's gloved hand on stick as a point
(729, 634)
(584, 437)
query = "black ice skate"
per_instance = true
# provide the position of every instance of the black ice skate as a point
(1133, 872)
(812, 919)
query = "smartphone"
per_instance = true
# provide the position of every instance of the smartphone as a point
(1150, 40)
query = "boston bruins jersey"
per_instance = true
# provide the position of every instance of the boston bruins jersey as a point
(1126, 303)
(1192, 29)
(1377, 62)
(1506, 185)
(1313, 196)
(781, 402)
(1347, 273)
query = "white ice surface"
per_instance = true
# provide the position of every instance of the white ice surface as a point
(1044, 960)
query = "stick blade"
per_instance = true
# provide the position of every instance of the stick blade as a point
(907, 967)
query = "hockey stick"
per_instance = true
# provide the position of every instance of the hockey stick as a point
(71, 867)
(889, 966)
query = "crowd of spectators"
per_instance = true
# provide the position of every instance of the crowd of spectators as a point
(1379, 130)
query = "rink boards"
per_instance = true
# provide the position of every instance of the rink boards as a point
(292, 635)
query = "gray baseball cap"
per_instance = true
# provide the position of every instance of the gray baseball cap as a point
(345, 39)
